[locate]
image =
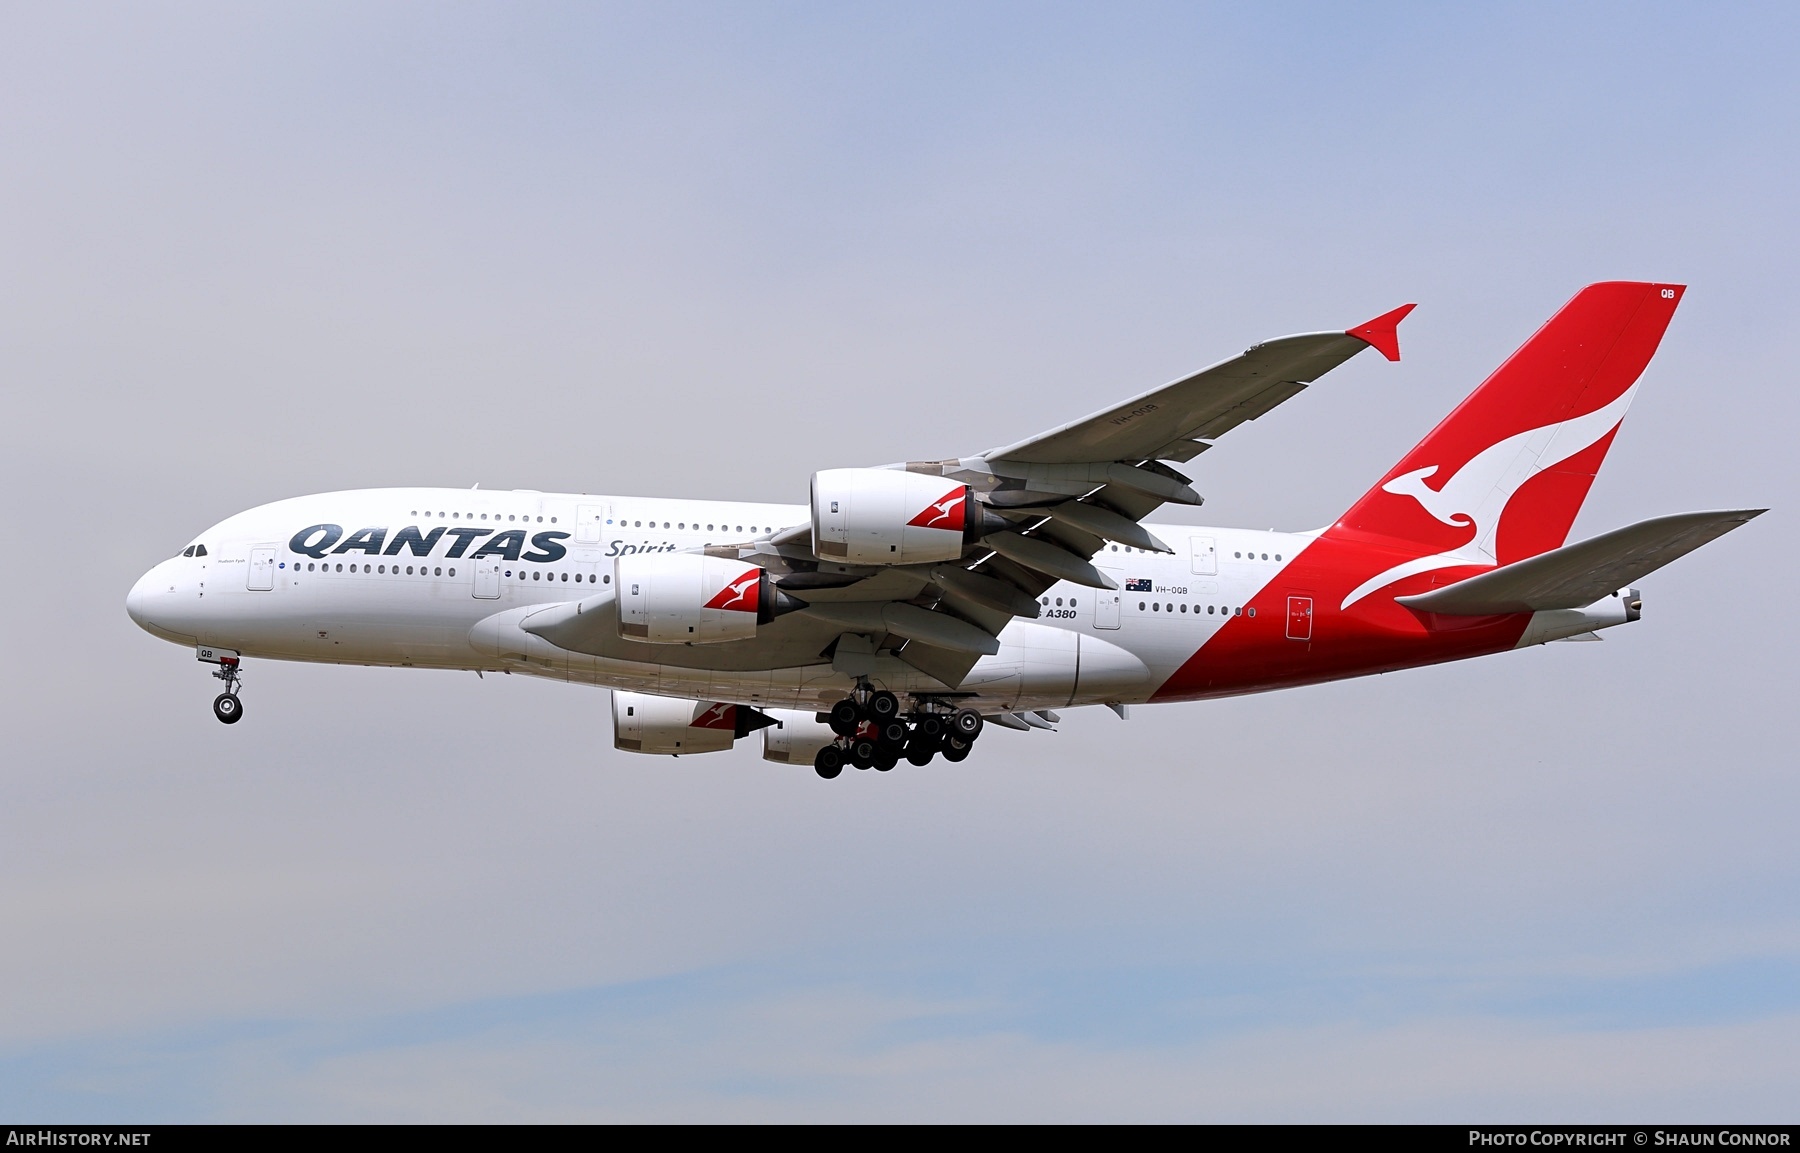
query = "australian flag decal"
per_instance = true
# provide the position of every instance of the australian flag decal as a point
(1138, 585)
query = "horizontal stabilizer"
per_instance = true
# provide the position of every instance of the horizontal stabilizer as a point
(1577, 575)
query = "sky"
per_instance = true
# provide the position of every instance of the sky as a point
(703, 250)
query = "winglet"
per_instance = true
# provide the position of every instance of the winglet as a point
(1383, 333)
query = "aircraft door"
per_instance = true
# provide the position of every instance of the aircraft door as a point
(1300, 618)
(487, 577)
(1106, 603)
(1205, 555)
(590, 523)
(261, 575)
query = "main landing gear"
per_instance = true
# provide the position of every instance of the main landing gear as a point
(226, 705)
(873, 733)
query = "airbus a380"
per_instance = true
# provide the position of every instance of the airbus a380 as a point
(908, 606)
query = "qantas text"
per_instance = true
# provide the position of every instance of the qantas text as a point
(319, 539)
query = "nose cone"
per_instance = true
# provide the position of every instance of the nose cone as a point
(137, 602)
(151, 603)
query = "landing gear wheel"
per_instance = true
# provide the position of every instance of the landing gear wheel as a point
(228, 708)
(845, 716)
(932, 726)
(920, 753)
(883, 706)
(886, 759)
(862, 752)
(966, 724)
(894, 733)
(955, 750)
(828, 762)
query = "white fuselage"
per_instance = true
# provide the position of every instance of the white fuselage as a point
(449, 575)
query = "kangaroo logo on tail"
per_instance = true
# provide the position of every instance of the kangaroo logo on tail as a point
(1477, 493)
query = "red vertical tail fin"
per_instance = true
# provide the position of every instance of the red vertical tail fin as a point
(1502, 477)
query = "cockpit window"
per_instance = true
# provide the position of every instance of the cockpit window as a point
(199, 550)
(188, 551)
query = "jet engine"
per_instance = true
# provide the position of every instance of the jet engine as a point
(886, 516)
(686, 598)
(795, 738)
(671, 726)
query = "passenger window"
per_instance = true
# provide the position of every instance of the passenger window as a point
(437, 572)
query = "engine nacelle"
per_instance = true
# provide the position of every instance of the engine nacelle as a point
(796, 737)
(671, 726)
(686, 598)
(886, 516)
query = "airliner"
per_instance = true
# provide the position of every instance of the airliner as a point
(905, 608)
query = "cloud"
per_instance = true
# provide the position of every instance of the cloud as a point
(842, 1052)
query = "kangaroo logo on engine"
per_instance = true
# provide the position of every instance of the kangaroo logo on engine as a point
(946, 513)
(740, 595)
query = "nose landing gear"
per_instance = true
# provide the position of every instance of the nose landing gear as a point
(226, 705)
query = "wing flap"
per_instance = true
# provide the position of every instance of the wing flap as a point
(1577, 575)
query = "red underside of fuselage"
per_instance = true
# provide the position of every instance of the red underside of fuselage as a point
(1254, 653)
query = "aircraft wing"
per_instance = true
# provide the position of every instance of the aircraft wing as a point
(1174, 422)
(1577, 575)
(1054, 501)
(1042, 509)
